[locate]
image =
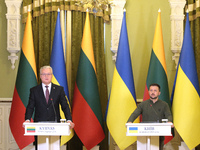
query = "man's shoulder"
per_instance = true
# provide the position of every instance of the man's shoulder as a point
(145, 102)
(56, 86)
(40, 86)
(163, 102)
(36, 87)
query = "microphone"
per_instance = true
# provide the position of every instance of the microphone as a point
(54, 110)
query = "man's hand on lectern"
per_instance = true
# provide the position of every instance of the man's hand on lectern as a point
(27, 121)
(71, 124)
(172, 124)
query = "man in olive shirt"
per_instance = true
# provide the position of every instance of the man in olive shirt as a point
(153, 109)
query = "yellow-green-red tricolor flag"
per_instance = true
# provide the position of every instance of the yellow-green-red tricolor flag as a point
(157, 72)
(122, 97)
(86, 107)
(185, 94)
(26, 79)
(57, 63)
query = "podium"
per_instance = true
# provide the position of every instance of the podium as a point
(148, 134)
(48, 134)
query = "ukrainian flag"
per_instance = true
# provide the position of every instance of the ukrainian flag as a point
(122, 97)
(133, 129)
(57, 63)
(185, 94)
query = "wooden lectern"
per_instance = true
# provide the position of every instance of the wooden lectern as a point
(148, 134)
(48, 134)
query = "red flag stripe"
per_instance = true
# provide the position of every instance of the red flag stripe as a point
(86, 127)
(146, 94)
(16, 113)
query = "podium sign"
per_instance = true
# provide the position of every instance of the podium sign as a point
(53, 129)
(48, 134)
(148, 129)
(148, 134)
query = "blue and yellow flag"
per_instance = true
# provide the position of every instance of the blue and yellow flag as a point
(122, 97)
(185, 94)
(57, 63)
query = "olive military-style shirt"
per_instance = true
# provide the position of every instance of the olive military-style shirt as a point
(152, 112)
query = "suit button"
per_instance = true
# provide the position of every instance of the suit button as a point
(47, 108)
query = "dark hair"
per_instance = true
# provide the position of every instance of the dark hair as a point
(155, 84)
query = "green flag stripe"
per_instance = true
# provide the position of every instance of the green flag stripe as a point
(87, 85)
(157, 75)
(26, 79)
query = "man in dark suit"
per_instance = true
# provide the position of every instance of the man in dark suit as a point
(43, 97)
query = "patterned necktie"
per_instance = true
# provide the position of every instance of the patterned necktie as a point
(47, 94)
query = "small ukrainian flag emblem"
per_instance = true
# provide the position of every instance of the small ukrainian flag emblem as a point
(133, 129)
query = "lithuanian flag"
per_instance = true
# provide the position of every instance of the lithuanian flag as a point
(86, 107)
(26, 78)
(157, 72)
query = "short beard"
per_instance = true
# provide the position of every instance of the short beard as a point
(153, 97)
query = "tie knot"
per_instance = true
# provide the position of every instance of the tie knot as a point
(47, 86)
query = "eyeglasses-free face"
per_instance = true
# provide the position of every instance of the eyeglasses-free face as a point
(154, 92)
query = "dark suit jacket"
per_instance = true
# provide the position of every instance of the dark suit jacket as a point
(44, 111)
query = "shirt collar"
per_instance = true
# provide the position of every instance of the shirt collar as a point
(152, 101)
(49, 85)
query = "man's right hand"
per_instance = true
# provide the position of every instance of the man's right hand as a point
(27, 121)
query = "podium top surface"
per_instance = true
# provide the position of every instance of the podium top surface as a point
(149, 124)
(46, 123)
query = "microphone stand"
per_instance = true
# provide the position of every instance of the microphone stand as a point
(54, 110)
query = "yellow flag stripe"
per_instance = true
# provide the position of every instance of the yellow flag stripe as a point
(121, 105)
(86, 44)
(185, 108)
(28, 46)
(158, 45)
(62, 115)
